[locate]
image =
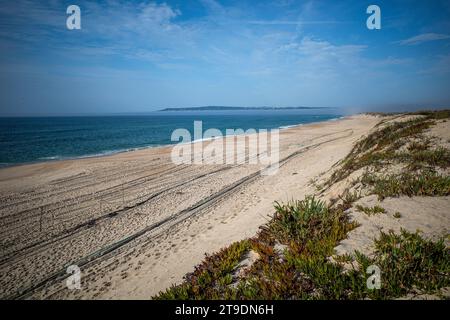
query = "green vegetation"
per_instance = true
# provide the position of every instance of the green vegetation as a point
(370, 211)
(381, 147)
(437, 115)
(408, 261)
(310, 230)
(211, 279)
(427, 183)
(302, 215)
(416, 159)
(401, 143)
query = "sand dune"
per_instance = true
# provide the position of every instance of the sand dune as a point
(135, 223)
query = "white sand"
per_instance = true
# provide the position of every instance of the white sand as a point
(56, 214)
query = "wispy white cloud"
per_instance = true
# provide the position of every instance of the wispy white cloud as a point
(214, 7)
(145, 31)
(152, 33)
(228, 47)
(425, 37)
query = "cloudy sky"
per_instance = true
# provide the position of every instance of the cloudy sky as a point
(145, 55)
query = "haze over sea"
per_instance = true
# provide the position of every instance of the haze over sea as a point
(36, 139)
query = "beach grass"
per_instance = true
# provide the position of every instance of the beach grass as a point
(382, 146)
(370, 211)
(426, 183)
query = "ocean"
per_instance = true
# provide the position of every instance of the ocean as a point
(36, 139)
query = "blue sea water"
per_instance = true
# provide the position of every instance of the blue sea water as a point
(24, 140)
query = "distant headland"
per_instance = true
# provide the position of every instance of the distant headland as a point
(226, 108)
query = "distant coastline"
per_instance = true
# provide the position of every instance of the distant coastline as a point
(227, 108)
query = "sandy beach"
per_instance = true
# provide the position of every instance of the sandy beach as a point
(135, 223)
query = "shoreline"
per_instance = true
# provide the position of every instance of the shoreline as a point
(113, 153)
(61, 213)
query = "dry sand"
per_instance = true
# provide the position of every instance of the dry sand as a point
(136, 223)
(430, 216)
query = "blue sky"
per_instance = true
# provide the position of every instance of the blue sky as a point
(145, 55)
